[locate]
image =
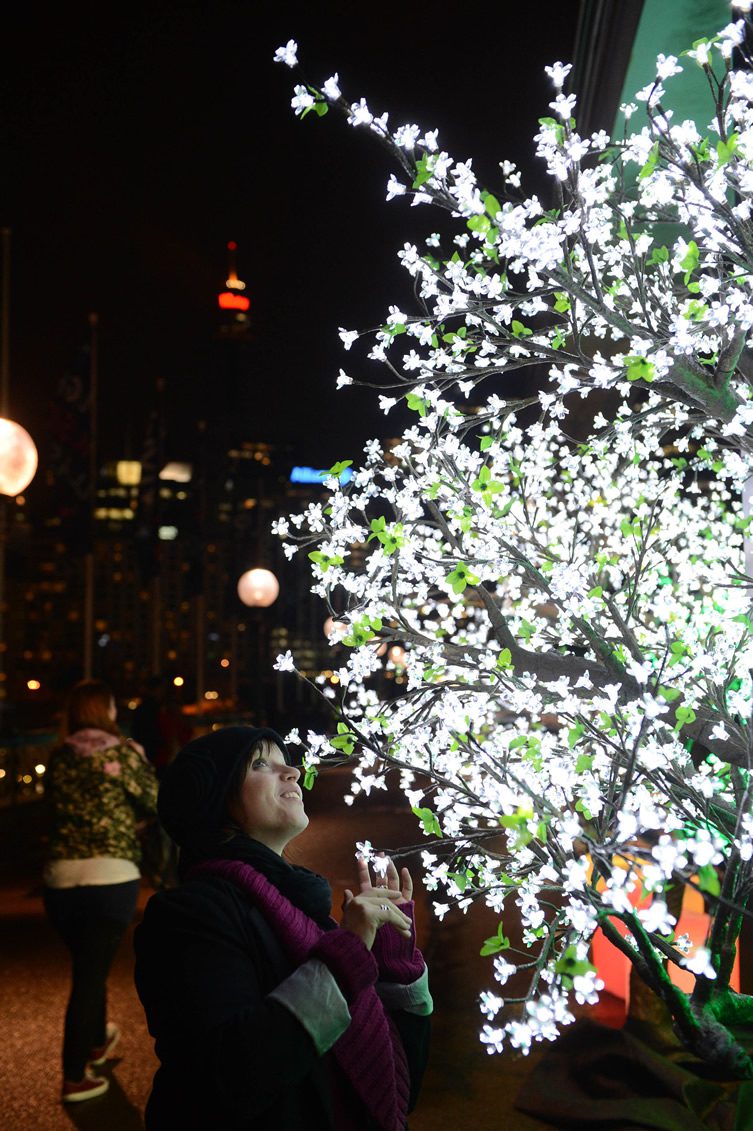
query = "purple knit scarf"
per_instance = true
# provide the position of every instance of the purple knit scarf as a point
(370, 1051)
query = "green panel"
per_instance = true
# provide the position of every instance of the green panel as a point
(670, 27)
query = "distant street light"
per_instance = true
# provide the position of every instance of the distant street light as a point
(18, 458)
(258, 588)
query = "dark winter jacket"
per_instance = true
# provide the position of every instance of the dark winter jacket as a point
(233, 1057)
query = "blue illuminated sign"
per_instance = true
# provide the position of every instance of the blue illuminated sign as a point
(311, 475)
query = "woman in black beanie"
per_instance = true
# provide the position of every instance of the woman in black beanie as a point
(265, 1013)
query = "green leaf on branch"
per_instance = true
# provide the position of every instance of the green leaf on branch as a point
(518, 820)
(479, 223)
(639, 369)
(344, 740)
(650, 164)
(570, 966)
(423, 172)
(461, 577)
(726, 150)
(504, 659)
(417, 404)
(495, 944)
(486, 485)
(319, 106)
(390, 538)
(428, 819)
(461, 879)
(574, 734)
(309, 777)
(690, 260)
(337, 469)
(362, 632)
(695, 311)
(492, 205)
(518, 330)
(678, 652)
(562, 304)
(324, 561)
(658, 255)
(702, 151)
(684, 716)
(708, 880)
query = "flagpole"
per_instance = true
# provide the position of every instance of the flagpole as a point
(4, 393)
(5, 341)
(200, 608)
(93, 444)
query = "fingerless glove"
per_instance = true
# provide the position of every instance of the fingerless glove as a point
(399, 959)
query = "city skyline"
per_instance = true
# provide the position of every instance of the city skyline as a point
(134, 153)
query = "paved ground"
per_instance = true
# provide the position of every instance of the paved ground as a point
(465, 1087)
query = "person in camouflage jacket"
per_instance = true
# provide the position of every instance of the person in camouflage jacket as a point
(101, 787)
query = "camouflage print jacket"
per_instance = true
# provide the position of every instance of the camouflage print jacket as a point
(100, 785)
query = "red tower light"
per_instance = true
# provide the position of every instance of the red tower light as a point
(230, 300)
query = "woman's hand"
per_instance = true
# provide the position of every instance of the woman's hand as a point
(389, 879)
(376, 906)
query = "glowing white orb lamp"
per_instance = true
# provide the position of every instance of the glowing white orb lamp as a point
(18, 458)
(258, 588)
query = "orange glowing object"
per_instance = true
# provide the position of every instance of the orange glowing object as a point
(230, 301)
(614, 967)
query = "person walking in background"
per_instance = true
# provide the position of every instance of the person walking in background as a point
(100, 786)
(266, 1013)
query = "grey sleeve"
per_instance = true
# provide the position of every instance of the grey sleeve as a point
(313, 996)
(414, 998)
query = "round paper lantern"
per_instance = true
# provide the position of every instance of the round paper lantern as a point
(18, 458)
(258, 588)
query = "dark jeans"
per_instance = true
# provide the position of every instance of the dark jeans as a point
(92, 920)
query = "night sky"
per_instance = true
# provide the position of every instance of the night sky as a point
(138, 139)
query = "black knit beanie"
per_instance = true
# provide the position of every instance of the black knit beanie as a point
(193, 791)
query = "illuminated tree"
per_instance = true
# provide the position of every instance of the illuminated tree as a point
(569, 585)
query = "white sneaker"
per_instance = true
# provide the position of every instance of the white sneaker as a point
(76, 1090)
